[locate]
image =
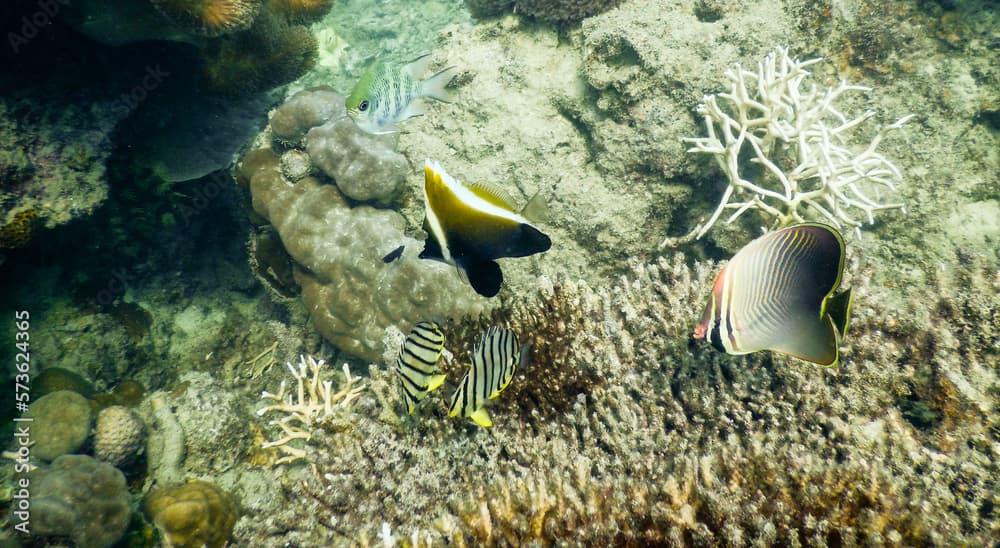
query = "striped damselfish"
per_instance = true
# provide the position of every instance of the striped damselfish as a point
(388, 94)
(471, 225)
(493, 363)
(778, 293)
(417, 363)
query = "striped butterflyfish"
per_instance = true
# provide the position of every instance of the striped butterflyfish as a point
(778, 293)
(493, 362)
(417, 363)
(471, 225)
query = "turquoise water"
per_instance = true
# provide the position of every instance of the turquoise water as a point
(192, 231)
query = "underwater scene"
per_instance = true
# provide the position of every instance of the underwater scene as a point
(316, 273)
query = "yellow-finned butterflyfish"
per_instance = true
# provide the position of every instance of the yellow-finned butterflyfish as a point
(779, 293)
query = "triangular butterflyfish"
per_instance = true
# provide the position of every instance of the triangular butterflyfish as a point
(472, 225)
(780, 293)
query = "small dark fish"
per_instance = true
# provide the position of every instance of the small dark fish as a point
(777, 293)
(394, 254)
(471, 225)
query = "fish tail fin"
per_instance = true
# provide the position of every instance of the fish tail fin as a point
(435, 381)
(481, 417)
(839, 309)
(418, 66)
(435, 87)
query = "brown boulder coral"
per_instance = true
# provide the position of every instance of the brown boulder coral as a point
(194, 514)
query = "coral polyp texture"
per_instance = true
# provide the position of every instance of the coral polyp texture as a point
(195, 514)
(210, 17)
(661, 441)
(802, 161)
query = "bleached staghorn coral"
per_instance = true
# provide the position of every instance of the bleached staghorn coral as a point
(801, 141)
(313, 398)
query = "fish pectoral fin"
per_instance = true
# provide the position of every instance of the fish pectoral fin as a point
(481, 417)
(435, 382)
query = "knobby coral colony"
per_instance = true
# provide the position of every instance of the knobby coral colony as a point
(767, 112)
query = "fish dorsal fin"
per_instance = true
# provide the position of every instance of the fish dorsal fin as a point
(492, 194)
(417, 67)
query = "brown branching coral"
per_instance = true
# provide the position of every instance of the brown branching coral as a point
(270, 53)
(668, 443)
(301, 11)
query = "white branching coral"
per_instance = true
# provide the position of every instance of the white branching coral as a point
(313, 398)
(800, 145)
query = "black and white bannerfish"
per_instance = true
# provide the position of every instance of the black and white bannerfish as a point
(417, 363)
(493, 363)
(472, 225)
(778, 293)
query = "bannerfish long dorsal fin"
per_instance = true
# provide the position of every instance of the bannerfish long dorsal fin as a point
(773, 295)
(492, 194)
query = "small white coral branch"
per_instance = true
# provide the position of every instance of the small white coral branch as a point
(801, 142)
(313, 397)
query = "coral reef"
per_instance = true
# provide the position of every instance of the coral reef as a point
(563, 11)
(54, 155)
(550, 11)
(337, 249)
(303, 111)
(215, 431)
(195, 514)
(61, 423)
(82, 499)
(677, 443)
(301, 11)
(365, 167)
(119, 435)
(798, 142)
(209, 17)
(246, 46)
(313, 400)
(270, 53)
